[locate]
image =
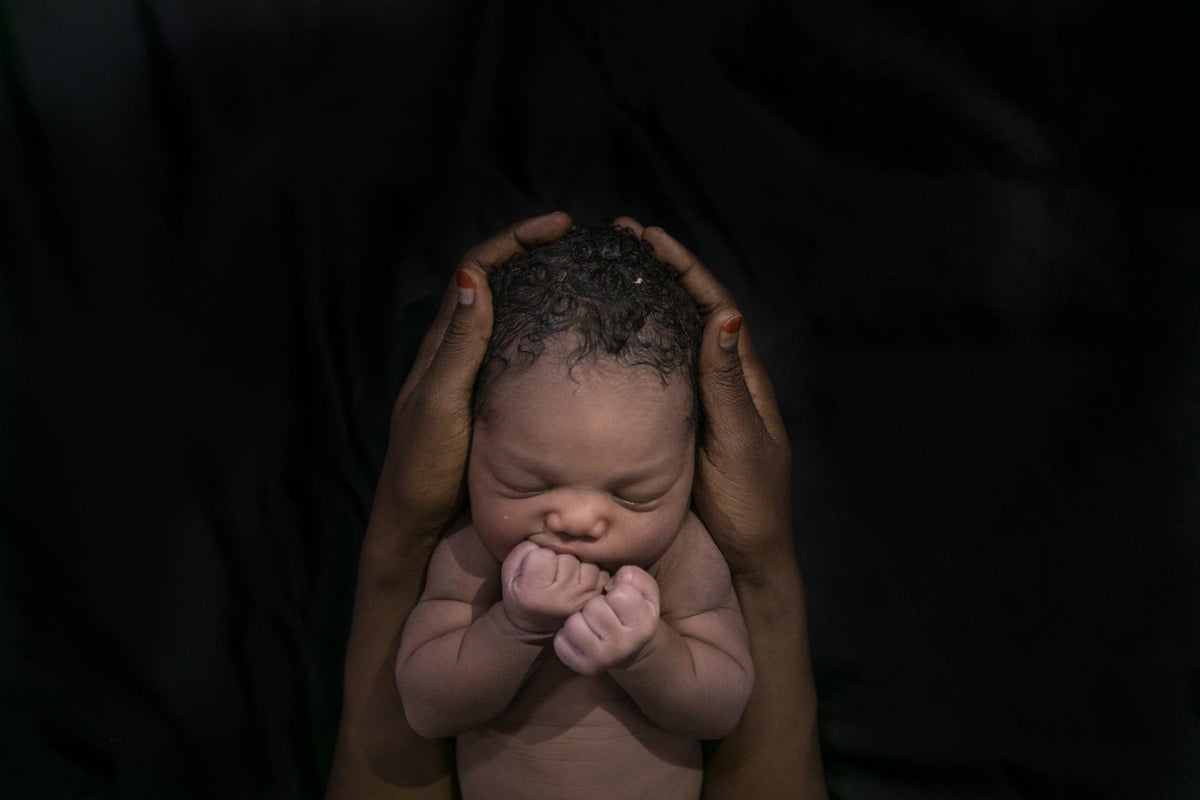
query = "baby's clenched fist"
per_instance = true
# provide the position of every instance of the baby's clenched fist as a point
(542, 588)
(613, 629)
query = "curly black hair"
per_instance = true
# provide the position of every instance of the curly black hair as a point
(604, 288)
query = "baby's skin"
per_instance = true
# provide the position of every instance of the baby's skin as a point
(579, 633)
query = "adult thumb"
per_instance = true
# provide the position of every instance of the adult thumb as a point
(450, 376)
(725, 398)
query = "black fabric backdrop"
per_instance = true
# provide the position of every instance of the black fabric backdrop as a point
(965, 236)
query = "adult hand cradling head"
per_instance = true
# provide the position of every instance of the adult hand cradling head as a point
(741, 492)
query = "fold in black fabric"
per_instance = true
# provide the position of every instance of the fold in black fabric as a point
(965, 239)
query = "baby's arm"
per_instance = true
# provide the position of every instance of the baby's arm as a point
(465, 651)
(688, 670)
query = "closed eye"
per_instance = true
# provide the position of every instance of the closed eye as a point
(520, 492)
(636, 504)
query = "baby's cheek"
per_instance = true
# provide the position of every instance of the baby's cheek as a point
(493, 522)
(520, 514)
(517, 519)
(649, 536)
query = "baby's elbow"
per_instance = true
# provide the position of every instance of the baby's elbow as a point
(426, 725)
(715, 727)
(728, 714)
(437, 720)
(424, 717)
(421, 714)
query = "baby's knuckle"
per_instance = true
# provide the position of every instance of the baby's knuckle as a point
(591, 605)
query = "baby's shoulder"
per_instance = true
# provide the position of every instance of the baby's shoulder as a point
(693, 575)
(461, 567)
(694, 548)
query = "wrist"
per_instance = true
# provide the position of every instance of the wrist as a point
(386, 558)
(416, 506)
(517, 628)
(399, 535)
(769, 567)
(643, 657)
(772, 596)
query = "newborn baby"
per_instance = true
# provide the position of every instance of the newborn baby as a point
(578, 632)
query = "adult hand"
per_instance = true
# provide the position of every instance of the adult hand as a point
(742, 488)
(742, 493)
(431, 419)
(420, 492)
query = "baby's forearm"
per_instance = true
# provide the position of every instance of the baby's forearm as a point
(688, 686)
(463, 678)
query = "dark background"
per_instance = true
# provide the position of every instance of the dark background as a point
(965, 236)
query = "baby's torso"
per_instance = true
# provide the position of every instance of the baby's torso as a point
(573, 737)
(566, 735)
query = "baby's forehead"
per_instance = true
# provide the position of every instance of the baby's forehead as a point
(588, 387)
(593, 420)
(553, 369)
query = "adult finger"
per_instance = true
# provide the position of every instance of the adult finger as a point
(629, 222)
(736, 394)
(758, 382)
(481, 259)
(728, 361)
(450, 374)
(705, 289)
(490, 253)
(430, 433)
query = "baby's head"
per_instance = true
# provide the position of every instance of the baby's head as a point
(585, 408)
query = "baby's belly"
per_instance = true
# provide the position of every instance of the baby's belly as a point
(573, 737)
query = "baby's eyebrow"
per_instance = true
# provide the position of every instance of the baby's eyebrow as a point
(640, 476)
(512, 459)
(531, 466)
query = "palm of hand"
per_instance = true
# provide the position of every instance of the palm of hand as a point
(747, 509)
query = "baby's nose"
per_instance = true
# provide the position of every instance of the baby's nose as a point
(578, 516)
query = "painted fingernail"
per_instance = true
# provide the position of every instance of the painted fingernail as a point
(729, 333)
(466, 288)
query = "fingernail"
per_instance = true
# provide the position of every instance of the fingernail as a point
(466, 288)
(729, 333)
